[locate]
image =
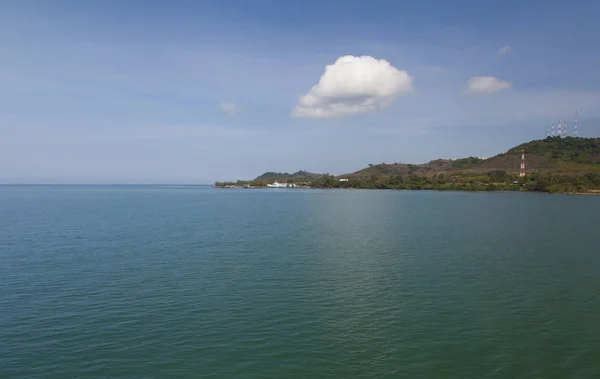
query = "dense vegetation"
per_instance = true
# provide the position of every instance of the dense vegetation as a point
(491, 181)
(464, 163)
(555, 165)
(285, 176)
(571, 150)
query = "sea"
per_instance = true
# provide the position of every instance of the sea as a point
(197, 282)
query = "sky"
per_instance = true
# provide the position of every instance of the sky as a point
(198, 91)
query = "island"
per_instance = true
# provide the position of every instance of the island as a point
(553, 165)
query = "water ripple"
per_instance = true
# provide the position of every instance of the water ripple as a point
(175, 282)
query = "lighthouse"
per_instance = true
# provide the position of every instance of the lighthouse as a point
(522, 171)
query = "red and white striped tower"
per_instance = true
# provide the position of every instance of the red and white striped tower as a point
(576, 124)
(522, 171)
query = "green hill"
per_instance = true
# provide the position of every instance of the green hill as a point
(559, 150)
(553, 165)
(553, 153)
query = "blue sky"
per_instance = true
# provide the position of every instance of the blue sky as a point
(197, 91)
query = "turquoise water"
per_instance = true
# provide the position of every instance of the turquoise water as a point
(195, 282)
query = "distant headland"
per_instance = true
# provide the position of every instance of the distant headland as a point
(554, 165)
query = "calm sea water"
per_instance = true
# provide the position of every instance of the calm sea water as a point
(194, 282)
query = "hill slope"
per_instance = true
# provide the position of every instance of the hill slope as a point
(553, 153)
(553, 165)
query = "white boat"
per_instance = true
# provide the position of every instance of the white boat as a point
(277, 185)
(282, 185)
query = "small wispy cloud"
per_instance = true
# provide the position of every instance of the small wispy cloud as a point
(486, 84)
(504, 50)
(229, 108)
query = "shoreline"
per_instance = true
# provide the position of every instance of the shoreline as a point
(587, 193)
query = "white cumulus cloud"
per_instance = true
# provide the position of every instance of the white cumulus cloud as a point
(354, 85)
(504, 50)
(486, 84)
(228, 108)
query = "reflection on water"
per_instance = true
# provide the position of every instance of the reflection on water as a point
(197, 282)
